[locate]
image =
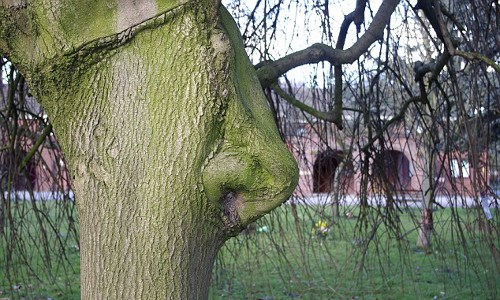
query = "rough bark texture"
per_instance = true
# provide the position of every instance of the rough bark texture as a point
(167, 135)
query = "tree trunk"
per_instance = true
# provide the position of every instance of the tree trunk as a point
(425, 229)
(428, 187)
(171, 147)
(428, 191)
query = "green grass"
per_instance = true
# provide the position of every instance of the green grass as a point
(288, 260)
(39, 257)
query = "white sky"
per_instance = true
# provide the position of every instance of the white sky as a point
(4, 73)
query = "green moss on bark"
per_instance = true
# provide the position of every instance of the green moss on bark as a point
(252, 167)
(170, 144)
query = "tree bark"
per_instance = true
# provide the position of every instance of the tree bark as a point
(428, 155)
(170, 143)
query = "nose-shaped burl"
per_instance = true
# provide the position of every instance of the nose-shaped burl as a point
(253, 171)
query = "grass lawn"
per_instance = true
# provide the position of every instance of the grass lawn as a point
(39, 255)
(285, 257)
(287, 260)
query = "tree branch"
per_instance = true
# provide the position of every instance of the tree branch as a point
(393, 120)
(316, 53)
(479, 56)
(444, 30)
(46, 131)
(325, 116)
(427, 6)
(357, 16)
(359, 13)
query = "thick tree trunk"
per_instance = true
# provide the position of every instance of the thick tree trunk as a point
(147, 230)
(171, 147)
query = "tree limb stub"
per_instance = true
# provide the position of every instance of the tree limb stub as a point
(319, 52)
(433, 67)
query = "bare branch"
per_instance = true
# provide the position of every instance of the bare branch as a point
(359, 13)
(325, 116)
(357, 16)
(270, 71)
(479, 56)
(46, 131)
(393, 120)
(427, 6)
(442, 26)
